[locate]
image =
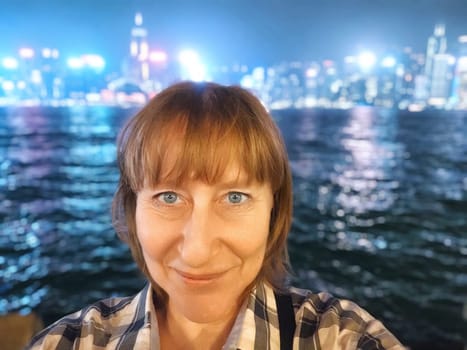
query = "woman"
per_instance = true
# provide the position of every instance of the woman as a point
(205, 204)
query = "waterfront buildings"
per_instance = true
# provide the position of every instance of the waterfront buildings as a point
(401, 78)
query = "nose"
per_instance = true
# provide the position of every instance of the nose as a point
(199, 241)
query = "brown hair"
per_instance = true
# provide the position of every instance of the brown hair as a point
(207, 126)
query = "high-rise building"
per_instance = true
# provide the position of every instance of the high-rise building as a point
(460, 90)
(436, 45)
(438, 68)
(441, 79)
(139, 45)
(49, 73)
(139, 50)
(413, 83)
(389, 75)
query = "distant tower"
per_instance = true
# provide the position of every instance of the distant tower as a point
(438, 67)
(436, 45)
(139, 49)
(139, 45)
(461, 73)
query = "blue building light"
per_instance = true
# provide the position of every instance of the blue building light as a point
(93, 61)
(75, 63)
(366, 60)
(90, 61)
(388, 62)
(192, 67)
(10, 63)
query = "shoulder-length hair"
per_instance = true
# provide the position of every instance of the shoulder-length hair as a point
(196, 130)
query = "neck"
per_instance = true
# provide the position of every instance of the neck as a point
(178, 332)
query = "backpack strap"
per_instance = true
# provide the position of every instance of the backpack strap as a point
(286, 315)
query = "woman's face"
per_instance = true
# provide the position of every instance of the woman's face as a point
(204, 244)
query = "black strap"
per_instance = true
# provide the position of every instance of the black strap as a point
(286, 315)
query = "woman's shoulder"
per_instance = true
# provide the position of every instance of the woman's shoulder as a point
(319, 303)
(98, 324)
(333, 318)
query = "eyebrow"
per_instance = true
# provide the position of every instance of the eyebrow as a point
(240, 181)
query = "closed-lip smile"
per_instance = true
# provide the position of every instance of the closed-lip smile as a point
(198, 277)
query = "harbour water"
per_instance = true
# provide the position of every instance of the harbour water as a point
(379, 216)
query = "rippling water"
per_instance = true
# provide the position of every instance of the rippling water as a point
(380, 214)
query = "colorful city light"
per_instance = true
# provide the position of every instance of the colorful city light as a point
(93, 61)
(158, 56)
(312, 72)
(21, 85)
(46, 53)
(462, 63)
(75, 63)
(366, 60)
(8, 85)
(50, 53)
(10, 63)
(451, 60)
(36, 76)
(26, 52)
(90, 60)
(188, 56)
(350, 59)
(388, 62)
(192, 67)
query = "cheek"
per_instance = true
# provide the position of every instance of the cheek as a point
(250, 238)
(155, 236)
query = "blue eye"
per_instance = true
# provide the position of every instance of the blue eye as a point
(168, 197)
(236, 197)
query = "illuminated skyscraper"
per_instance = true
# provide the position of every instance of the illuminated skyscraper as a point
(441, 79)
(461, 73)
(413, 70)
(139, 50)
(139, 45)
(48, 74)
(436, 45)
(438, 67)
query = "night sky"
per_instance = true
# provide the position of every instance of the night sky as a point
(228, 31)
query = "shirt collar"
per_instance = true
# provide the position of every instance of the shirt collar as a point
(256, 325)
(154, 329)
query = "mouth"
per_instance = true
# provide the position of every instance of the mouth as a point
(199, 278)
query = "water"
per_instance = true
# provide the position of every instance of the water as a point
(380, 216)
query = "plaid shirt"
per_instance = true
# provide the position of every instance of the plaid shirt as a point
(323, 322)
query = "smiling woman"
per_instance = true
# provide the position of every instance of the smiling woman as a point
(205, 204)
(204, 249)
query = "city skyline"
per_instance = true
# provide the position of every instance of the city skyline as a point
(228, 31)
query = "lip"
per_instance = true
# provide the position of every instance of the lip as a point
(199, 278)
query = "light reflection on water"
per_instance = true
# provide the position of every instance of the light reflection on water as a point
(370, 186)
(57, 175)
(379, 212)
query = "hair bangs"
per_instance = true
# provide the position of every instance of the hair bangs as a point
(190, 149)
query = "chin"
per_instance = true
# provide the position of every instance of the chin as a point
(206, 308)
